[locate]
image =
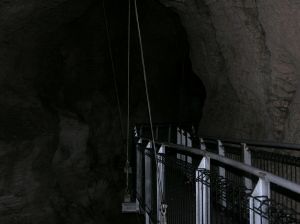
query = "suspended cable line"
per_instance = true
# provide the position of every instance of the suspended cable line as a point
(113, 67)
(128, 95)
(127, 166)
(147, 97)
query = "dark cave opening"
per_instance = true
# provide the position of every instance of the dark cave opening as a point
(79, 64)
(59, 119)
(228, 68)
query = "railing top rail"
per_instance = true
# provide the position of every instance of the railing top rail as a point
(165, 123)
(161, 125)
(286, 146)
(284, 183)
(238, 142)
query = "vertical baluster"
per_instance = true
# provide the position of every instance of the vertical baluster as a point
(201, 189)
(135, 132)
(202, 144)
(203, 193)
(257, 206)
(183, 142)
(179, 140)
(148, 183)
(139, 168)
(189, 144)
(222, 172)
(160, 184)
(247, 160)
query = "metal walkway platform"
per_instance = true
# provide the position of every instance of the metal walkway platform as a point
(214, 181)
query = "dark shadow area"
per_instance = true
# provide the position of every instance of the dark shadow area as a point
(62, 152)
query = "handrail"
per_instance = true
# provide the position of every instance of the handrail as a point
(254, 143)
(287, 146)
(286, 184)
(165, 125)
(247, 175)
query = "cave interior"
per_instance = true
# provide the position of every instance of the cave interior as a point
(217, 65)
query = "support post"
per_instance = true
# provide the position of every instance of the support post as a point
(180, 141)
(189, 144)
(139, 168)
(183, 134)
(258, 202)
(202, 144)
(160, 182)
(189, 140)
(247, 160)
(203, 193)
(183, 142)
(179, 136)
(135, 132)
(221, 152)
(148, 183)
(222, 172)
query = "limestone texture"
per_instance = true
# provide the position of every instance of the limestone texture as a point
(247, 54)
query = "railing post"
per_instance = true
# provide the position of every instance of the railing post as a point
(222, 172)
(247, 160)
(189, 144)
(139, 168)
(202, 144)
(180, 141)
(203, 193)
(258, 203)
(148, 183)
(221, 152)
(179, 136)
(135, 132)
(160, 184)
(189, 140)
(183, 134)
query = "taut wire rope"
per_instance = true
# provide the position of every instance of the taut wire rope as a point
(113, 67)
(128, 94)
(147, 96)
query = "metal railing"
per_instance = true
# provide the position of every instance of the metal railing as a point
(206, 180)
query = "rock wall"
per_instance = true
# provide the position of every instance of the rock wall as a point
(247, 54)
(61, 147)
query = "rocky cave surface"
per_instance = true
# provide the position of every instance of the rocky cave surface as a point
(246, 52)
(61, 146)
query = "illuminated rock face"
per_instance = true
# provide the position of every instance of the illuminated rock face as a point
(247, 54)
